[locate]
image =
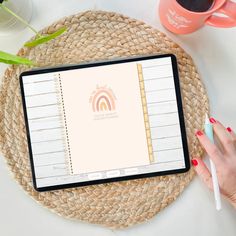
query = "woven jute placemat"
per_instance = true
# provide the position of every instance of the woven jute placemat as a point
(98, 36)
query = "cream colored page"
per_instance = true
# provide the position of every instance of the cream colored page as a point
(104, 118)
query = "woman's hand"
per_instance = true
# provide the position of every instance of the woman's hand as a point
(224, 158)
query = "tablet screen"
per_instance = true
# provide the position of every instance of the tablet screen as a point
(102, 122)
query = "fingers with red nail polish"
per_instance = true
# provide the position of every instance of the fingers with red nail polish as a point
(194, 162)
(212, 120)
(224, 159)
(202, 170)
(199, 133)
(232, 134)
(229, 129)
(212, 150)
(223, 135)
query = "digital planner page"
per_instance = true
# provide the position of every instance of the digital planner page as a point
(103, 122)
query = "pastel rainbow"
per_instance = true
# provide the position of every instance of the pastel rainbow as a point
(103, 100)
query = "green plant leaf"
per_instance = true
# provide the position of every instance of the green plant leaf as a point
(45, 38)
(12, 59)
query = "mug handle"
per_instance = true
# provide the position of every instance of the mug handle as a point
(228, 9)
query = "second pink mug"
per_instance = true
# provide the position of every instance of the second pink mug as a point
(180, 20)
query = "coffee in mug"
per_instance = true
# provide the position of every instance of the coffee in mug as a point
(187, 16)
(196, 5)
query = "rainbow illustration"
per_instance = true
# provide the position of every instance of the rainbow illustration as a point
(103, 100)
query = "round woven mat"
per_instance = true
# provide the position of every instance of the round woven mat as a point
(95, 36)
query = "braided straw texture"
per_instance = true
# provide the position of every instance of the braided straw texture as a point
(97, 36)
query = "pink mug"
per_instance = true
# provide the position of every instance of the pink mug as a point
(179, 20)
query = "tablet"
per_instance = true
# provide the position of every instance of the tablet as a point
(104, 121)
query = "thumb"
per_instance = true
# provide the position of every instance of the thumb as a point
(203, 172)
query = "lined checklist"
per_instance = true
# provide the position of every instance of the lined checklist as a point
(162, 111)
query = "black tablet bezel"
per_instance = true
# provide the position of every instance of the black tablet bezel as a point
(102, 63)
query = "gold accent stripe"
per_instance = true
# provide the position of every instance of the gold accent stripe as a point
(145, 114)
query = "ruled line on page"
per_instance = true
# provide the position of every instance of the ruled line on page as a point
(38, 130)
(52, 164)
(50, 154)
(161, 84)
(162, 108)
(39, 94)
(172, 100)
(155, 78)
(168, 102)
(171, 114)
(156, 90)
(165, 137)
(177, 160)
(43, 117)
(167, 64)
(45, 153)
(156, 126)
(39, 81)
(48, 140)
(162, 72)
(50, 159)
(163, 113)
(52, 176)
(46, 105)
(168, 149)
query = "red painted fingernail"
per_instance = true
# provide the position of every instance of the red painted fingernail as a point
(212, 120)
(194, 162)
(229, 129)
(199, 133)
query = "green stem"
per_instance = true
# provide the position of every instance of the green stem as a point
(20, 19)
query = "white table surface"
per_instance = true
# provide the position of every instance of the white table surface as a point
(193, 213)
